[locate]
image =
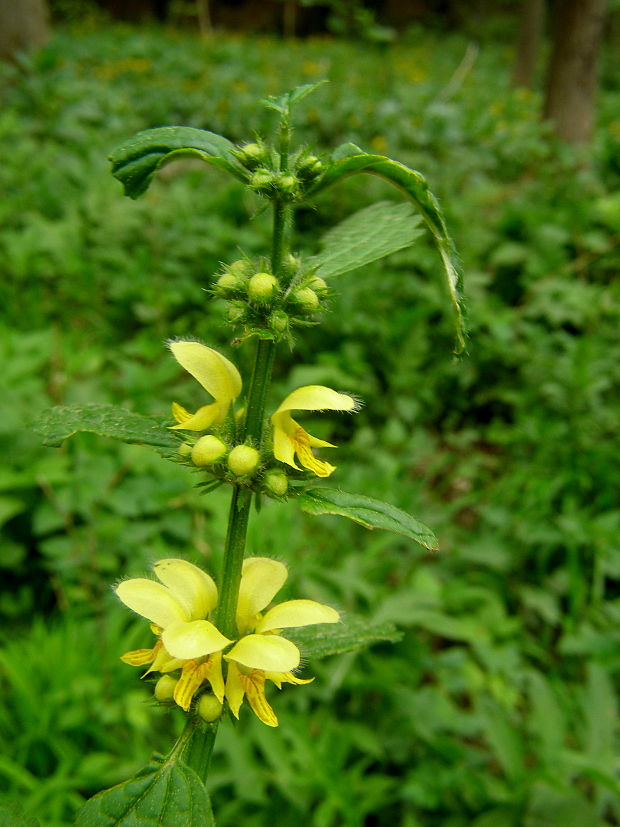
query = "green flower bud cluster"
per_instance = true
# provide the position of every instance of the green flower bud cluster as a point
(212, 453)
(260, 301)
(275, 184)
(267, 179)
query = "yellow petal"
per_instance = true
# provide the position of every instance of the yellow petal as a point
(261, 579)
(286, 677)
(303, 450)
(180, 413)
(193, 640)
(191, 678)
(215, 677)
(297, 613)
(164, 662)
(317, 398)
(254, 685)
(268, 652)
(191, 586)
(216, 374)
(138, 657)
(234, 689)
(203, 418)
(151, 600)
(283, 442)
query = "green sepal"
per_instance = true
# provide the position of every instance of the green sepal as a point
(349, 160)
(366, 511)
(366, 236)
(338, 638)
(59, 423)
(135, 161)
(168, 796)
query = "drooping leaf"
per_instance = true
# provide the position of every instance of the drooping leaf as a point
(56, 424)
(366, 236)
(135, 161)
(415, 187)
(366, 511)
(338, 638)
(346, 151)
(170, 796)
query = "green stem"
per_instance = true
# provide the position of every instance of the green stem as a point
(200, 737)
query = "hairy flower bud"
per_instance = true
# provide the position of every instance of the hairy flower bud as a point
(306, 299)
(253, 156)
(184, 449)
(208, 707)
(262, 286)
(262, 180)
(164, 688)
(243, 460)
(288, 184)
(242, 268)
(208, 450)
(318, 284)
(278, 321)
(228, 284)
(309, 168)
(276, 482)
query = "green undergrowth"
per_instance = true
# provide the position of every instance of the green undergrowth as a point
(497, 707)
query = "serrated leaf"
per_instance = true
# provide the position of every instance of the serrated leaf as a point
(57, 424)
(338, 638)
(366, 511)
(135, 161)
(415, 187)
(12, 815)
(346, 151)
(367, 235)
(167, 797)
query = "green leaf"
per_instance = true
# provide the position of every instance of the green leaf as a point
(368, 512)
(346, 151)
(135, 162)
(415, 187)
(12, 815)
(337, 638)
(366, 236)
(284, 103)
(169, 796)
(56, 424)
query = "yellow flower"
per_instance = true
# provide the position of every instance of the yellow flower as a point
(262, 653)
(290, 439)
(216, 374)
(177, 608)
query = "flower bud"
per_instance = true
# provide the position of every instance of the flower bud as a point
(184, 449)
(262, 286)
(252, 155)
(262, 180)
(164, 688)
(227, 284)
(318, 284)
(235, 314)
(291, 264)
(243, 460)
(276, 482)
(278, 321)
(208, 450)
(306, 299)
(311, 167)
(288, 184)
(242, 268)
(208, 707)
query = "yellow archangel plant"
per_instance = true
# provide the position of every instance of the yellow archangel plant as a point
(189, 643)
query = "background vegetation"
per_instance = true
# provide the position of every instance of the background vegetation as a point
(497, 709)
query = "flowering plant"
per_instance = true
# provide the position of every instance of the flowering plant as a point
(219, 645)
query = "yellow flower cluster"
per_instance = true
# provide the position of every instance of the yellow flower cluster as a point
(221, 379)
(178, 608)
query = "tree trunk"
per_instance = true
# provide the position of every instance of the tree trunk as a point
(23, 25)
(571, 84)
(530, 34)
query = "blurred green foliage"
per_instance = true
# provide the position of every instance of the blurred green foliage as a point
(497, 708)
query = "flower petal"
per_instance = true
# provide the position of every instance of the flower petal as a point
(216, 374)
(193, 640)
(317, 398)
(268, 652)
(261, 579)
(254, 685)
(296, 613)
(215, 677)
(286, 677)
(283, 442)
(190, 585)
(234, 689)
(203, 418)
(187, 685)
(151, 600)
(304, 453)
(138, 657)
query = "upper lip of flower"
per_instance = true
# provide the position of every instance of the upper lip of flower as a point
(178, 606)
(217, 375)
(290, 439)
